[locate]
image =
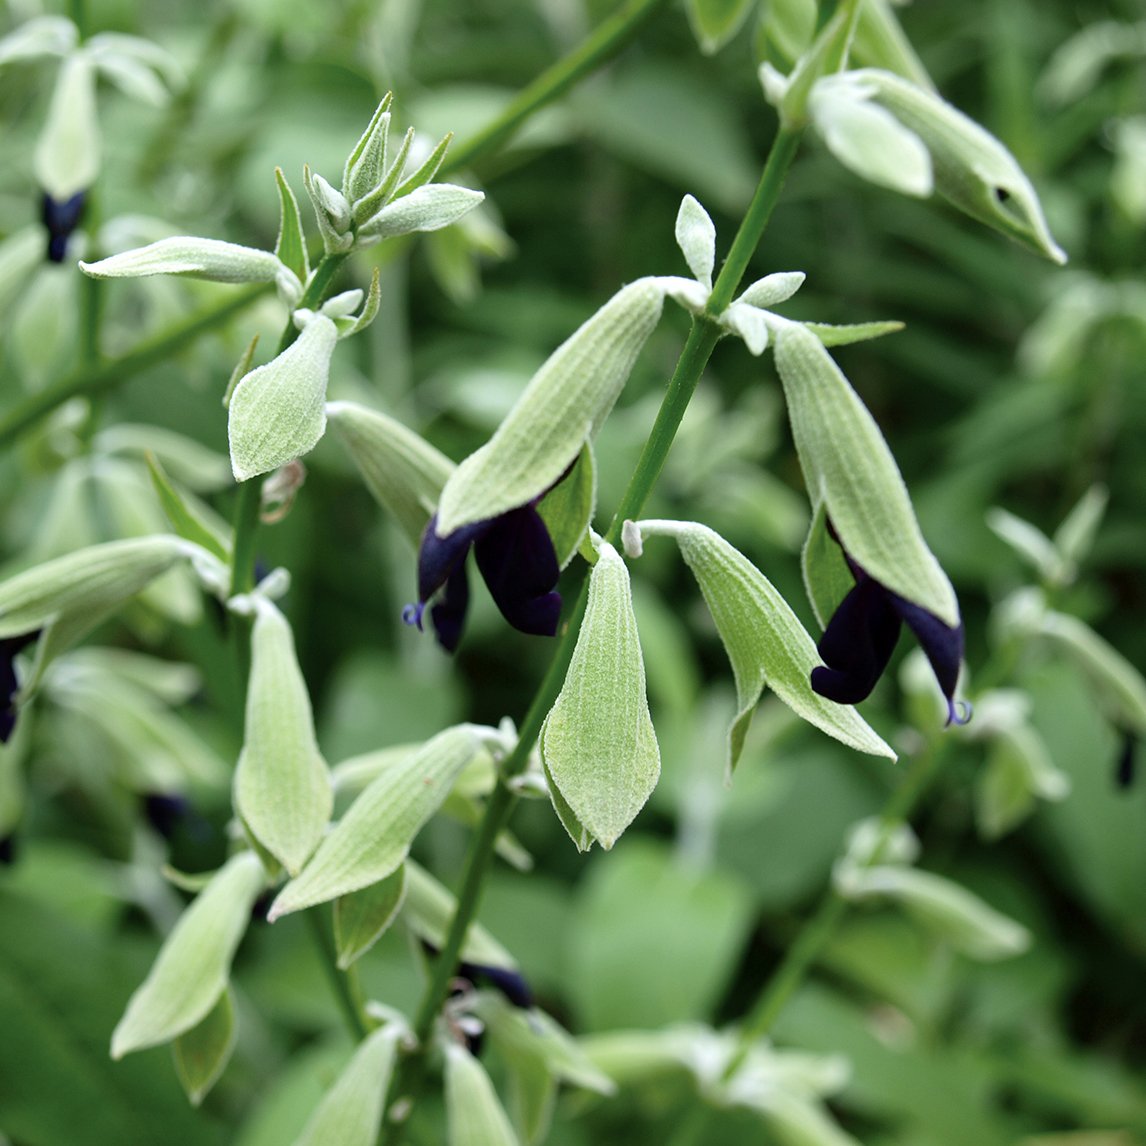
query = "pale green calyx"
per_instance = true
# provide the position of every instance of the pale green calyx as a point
(851, 474)
(282, 786)
(765, 642)
(67, 155)
(563, 407)
(867, 138)
(39, 38)
(696, 237)
(277, 411)
(190, 973)
(197, 258)
(969, 166)
(598, 746)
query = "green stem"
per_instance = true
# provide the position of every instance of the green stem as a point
(818, 930)
(701, 339)
(99, 377)
(342, 985)
(246, 523)
(611, 35)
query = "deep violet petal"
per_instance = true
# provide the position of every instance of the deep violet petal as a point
(857, 644)
(518, 562)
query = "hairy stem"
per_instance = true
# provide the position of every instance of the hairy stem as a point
(606, 40)
(702, 339)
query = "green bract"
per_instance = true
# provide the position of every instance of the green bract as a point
(850, 472)
(563, 406)
(374, 837)
(282, 786)
(766, 644)
(68, 151)
(597, 744)
(202, 1053)
(190, 972)
(402, 470)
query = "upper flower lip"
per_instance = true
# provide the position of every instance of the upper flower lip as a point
(862, 633)
(517, 561)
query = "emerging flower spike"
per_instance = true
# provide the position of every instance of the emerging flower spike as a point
(517, 561)
(861, 636)
(61, 217)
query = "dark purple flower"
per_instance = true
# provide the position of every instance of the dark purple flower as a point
(860, 637)
(517, 561)
(61, 217)
(9, 685)
(1125, 767)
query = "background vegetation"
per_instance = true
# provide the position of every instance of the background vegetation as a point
(1015, 384)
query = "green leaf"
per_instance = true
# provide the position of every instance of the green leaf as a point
(184, 520)
(190, 972)
(374, 837)
(567, 509)
(201, 1053)
(715, 22)
(563, 406)
(765, 642)
(366, 163)
(1019, 770)
(282, 786)
(290, 247)
(428, 208)
(1028, 541)
(429, 910)
(350, 1113)
(277, 411)
(849, 470)
(401, 469)
(83, 586)
(474, 1114)
(598, 743)
(1074, 538)
(362, 917)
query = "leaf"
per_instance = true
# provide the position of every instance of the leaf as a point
(277, 411)
(290, 247)
(474, 1114)
(197, 258)
(362, 917)
(846, 333)
(402, 470)
(567, 509)
(765, 642)
(715, 22)
(201, 1054)
(1028, 541)
(428, 912)
(374, 837)
(40, 36)
(282, 786)
(1018, 771)
(850, 470)
(184, 520)
(564, 405)
(366, 163)
(350, 1113)
(1074, 538)
(598, 743)
(190, 972)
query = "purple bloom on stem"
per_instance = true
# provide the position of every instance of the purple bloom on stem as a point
(9, 685)
(862, 633)
(517, 561)
(61, 217)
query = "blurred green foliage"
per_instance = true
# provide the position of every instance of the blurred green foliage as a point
(984, 398)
